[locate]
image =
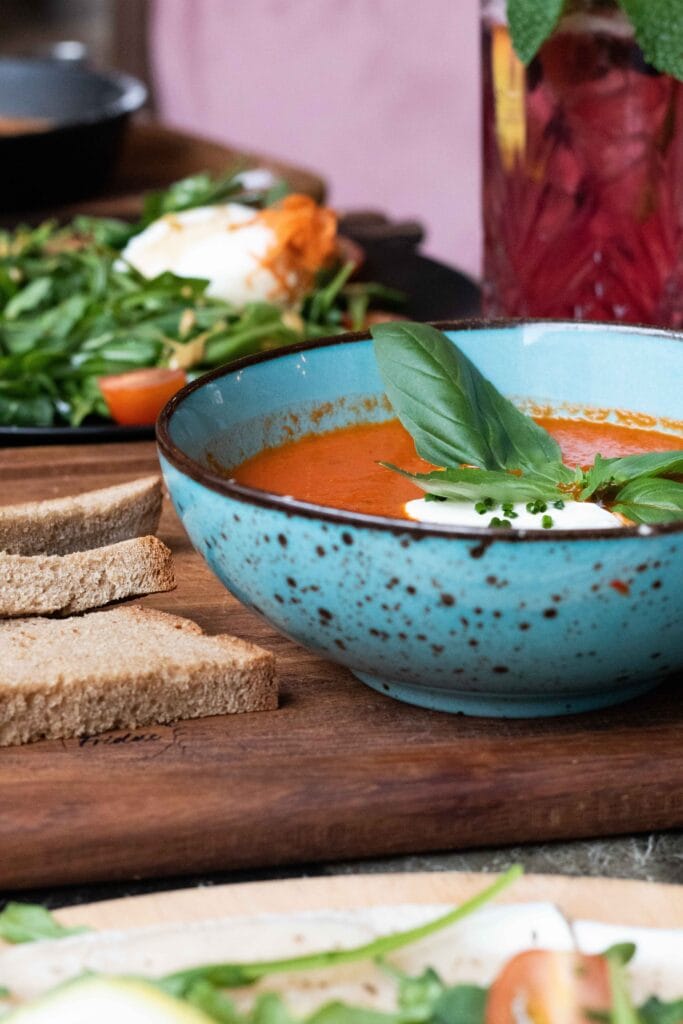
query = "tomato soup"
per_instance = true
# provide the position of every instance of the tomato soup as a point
(340, 468)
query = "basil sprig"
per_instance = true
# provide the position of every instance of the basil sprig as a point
(473, 484)
(658, 26)
(459, 420)
(453, 413)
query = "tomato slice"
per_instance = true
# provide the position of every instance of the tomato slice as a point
(544, 987)
(136, 398)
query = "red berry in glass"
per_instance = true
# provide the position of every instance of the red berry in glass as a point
(583, 174)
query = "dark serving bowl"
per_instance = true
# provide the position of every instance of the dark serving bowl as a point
(74, 153)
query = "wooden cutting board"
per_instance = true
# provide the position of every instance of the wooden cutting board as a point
(338, 771)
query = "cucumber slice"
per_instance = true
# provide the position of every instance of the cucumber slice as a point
(99, 1000)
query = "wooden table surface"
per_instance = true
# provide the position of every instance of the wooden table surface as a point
(338, 772)
(154, 156)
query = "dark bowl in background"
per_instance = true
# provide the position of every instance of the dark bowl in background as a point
(75, 154)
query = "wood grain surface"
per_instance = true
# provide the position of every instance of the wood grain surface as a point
(154, 156)
(338, 771)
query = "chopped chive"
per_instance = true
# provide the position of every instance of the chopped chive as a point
(501, 524)
(547, 522)
(435, 497)
(536, 506)
(558, 504)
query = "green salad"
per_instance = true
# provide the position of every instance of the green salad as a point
(534, 986)
(73, 311)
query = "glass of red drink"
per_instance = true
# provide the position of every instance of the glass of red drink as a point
(583, 174)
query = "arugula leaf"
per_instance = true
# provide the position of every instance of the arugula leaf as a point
(29, 298)
(659, 32)
(342, 1013)
(531, 23)
(464, 1004)
(28, 922)
(418, 995)
(212, 1002)
(474, 484)
(454, 414)
(615, 472)
(656, 1012)
(237, 975)
(623, 1010)
(650, 500)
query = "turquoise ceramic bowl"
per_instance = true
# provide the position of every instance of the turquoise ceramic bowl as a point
(473, 620)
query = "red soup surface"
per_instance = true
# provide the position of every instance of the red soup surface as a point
(340, 468)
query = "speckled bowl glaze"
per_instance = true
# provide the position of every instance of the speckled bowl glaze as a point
(476, 620)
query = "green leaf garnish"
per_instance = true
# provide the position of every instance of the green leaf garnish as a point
(659, 32)
(622, 1010)
(656, 1012)
(29, 922)
(237, 975)
(454, 414)
(615, 472)
(650, 500)
(459, 420)
(471, 484)
(658, 26)
(531, 23)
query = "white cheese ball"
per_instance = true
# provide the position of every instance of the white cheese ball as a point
(226, 244)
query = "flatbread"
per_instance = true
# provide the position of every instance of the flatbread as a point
(472, 951)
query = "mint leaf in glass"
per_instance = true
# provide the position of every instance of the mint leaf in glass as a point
(531, 23)
(659, 32)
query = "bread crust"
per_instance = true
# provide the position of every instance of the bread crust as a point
(65, 584)
(122, 668)
(60, 526)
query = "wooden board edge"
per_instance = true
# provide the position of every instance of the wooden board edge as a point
(616, 901)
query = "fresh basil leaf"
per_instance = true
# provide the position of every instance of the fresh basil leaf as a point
(531, 23)
(476, 484)
(656, 1012)
(615, 472)
(28, 922)
(462, 1004)
(659, 32)
(453, 413)
(650, 500)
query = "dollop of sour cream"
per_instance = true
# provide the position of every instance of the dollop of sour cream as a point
(576, 515)
(227, 244)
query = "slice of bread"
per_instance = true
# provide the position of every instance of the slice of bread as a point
(64, 584)
(122, 668)
(59, 526)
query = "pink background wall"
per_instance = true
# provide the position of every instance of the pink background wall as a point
(380, 96)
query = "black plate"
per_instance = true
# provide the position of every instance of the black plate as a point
(436, 292)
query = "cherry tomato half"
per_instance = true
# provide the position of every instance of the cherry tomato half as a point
(550, 988)
(136, 398)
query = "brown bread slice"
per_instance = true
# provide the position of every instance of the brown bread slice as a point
(65, 584)
(122, 668)
(59, 526)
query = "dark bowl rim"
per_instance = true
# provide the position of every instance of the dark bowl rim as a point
(132, 95)
(293, 506)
